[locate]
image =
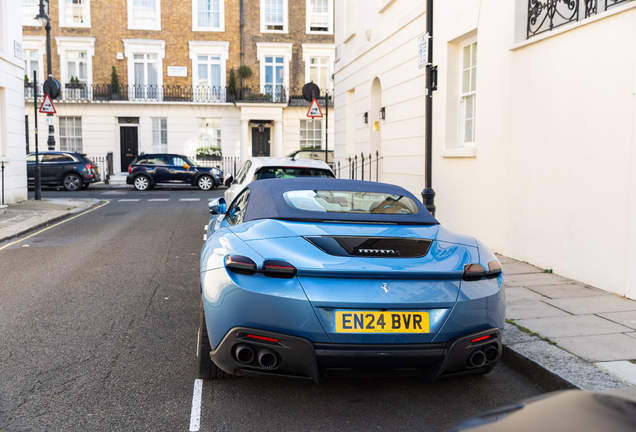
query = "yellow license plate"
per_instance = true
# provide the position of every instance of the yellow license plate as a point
(381, 322)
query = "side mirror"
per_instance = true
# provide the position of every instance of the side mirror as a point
(228, 180)
(186, 166)
(217, 206)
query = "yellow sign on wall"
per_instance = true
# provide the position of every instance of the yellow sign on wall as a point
(376, 126)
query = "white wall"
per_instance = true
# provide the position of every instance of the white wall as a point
(390, 54)
(551, 179)
(12, 143)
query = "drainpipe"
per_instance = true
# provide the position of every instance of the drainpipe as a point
(428, 194)
(242, 51)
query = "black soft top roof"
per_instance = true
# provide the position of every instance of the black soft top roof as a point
(266, 201)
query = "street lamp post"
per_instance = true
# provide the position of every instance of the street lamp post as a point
(43, 18)
(428, 194)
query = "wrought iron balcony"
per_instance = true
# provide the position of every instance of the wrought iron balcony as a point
(168, 93)
(547, 15)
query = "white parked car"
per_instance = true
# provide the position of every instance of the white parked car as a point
(261, 168)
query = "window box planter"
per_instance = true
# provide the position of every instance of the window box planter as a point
(74, 86)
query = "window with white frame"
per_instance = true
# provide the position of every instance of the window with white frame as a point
(274, 16)
(159, 135)
(146, 76)
(31, 9)
(75, 13)
(468, 93)
(274, 76)
(71, 134)
(319, 71)
(32, 64)
(320, 16)
(209, 60)
(311, 134)
(208, 15)
(144, 14)
(77, 66)
(209, 133)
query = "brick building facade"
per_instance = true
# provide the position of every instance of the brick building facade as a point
(173, 60)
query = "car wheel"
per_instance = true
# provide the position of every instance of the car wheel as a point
(206, 368)
(205, 182)
(142, 183)
(72, 182)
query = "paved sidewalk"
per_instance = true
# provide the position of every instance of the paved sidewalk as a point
(28, 215)
(565, 334)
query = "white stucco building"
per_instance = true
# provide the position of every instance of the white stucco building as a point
(534, 122)
(12, 143)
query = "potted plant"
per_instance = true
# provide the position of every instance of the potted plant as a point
(209, 153)
(27, 83)
(74, 83)
(114, 84)
(231, 88)
(244, 72)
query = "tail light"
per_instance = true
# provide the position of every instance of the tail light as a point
(129, 169)
(240, 264)
(271, 268)
(280, 269)
(474, 272)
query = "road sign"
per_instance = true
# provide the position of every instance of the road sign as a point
(314, 110)
(422, 44)
(47, 105)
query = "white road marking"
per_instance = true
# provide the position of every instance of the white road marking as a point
(190, 199)
(195, 414)
(205, 228)
(205, 237)
(159, 199)
(129, 200)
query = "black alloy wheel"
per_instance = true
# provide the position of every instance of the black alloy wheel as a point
(206, 368)
(72, 182)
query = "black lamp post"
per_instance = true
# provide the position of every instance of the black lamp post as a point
(44, 20)
(428, 194)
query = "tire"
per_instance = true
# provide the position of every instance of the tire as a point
(72, 182)
(206, 369)
(141, 183)
(205, 183)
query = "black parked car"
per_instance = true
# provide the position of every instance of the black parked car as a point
(72, 170)
(148, 170)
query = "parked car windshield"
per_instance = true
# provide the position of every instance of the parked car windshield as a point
(291, 172)
(350, 202)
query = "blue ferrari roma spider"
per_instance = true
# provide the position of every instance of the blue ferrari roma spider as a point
(308, 278)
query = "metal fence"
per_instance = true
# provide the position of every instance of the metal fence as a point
(363, 168)
(547, 15)
(227, 164)
(104, 166)
(175, 93)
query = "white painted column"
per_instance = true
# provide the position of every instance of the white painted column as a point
(245, 135)
(278, 138)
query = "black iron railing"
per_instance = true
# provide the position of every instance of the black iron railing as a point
(364, 168)
(547, 15)
(175, 93)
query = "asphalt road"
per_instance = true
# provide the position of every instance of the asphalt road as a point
(98, 331)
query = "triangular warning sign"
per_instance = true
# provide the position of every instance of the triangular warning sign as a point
(47, 105)
(314, 110)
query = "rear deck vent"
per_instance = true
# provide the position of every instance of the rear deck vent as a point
(372, 247)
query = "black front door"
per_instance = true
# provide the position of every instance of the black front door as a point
(129, 147)
(260, 142)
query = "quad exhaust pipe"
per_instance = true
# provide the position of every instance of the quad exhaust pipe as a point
(244, 354)
(479, 357)
(267, 359)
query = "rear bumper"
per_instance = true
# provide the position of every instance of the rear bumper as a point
(300, 358)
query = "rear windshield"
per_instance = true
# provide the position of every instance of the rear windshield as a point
(350, 202)
(290, 172)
